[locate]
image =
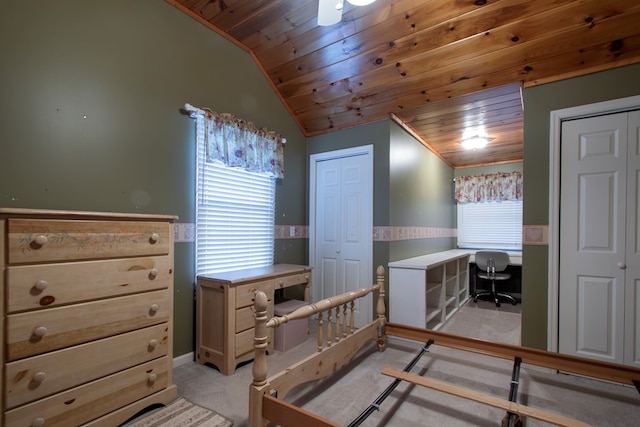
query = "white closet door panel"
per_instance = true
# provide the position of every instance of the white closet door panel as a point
(328, 274)
(328, 230)
(598, 212)
(351, 273)
(592, 216)
(598, 304)
(357, 226)
(632, 326)
(632, 262)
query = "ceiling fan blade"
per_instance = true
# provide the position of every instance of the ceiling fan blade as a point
(327, 12)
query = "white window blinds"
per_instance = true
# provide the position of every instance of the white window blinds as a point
(490, 225)
(234, 215)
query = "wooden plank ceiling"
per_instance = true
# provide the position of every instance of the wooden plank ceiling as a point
(440, 68)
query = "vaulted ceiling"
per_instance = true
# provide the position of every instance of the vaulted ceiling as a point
(442, 69)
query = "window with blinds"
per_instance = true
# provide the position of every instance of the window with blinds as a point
(234, 215)
(490, 225)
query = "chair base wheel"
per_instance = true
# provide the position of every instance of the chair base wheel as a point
(495, 297)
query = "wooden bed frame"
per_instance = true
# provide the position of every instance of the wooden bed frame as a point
(339, 341)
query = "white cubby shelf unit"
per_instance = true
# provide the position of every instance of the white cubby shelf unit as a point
(426, 290)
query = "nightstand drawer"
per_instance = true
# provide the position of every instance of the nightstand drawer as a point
(49, 285)
(296, 279)
(35, 377)
(244, 341)
(36, 240)
(245, 317)
(246, 293)
(39, 331)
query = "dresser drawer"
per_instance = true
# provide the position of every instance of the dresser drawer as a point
(87, 402)
(35, 240)
(296, 279)
(39, 331)
(35, 377)
(50, 285)
(246, 293)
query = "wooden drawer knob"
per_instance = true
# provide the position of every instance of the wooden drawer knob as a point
(39, 377)
(152, 378)
(153, 344)
(153, 273)
(37, 422)
(40, 331)
(39, 241)
(154, 238)
(41, 285)
(154, 308)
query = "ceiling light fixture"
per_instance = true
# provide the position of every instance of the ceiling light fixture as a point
(475, 142)
(330, 11)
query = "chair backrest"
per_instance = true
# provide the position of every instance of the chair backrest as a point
(500, 259)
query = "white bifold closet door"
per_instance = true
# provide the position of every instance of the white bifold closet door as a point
(599, 287)
(343, 230)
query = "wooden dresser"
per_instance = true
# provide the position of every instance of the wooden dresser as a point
(87, 302)
(225, 315)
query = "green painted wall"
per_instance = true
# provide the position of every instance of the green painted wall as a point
(90, 99)
(420, 194)
(539, 101)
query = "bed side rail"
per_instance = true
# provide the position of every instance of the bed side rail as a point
(608, 371)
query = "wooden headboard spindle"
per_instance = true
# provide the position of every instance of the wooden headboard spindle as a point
(333, 332)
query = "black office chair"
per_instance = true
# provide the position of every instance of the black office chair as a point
(491, 265)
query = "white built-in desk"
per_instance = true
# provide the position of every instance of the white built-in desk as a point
(513, 286)
(515, 258)
(425, 291)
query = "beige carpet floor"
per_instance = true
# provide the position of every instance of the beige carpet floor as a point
(342, 398)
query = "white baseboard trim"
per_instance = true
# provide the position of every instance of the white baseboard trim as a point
(182, 359)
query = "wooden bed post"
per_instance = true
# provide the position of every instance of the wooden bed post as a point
(260, 341)
(259, 370)
(381, 310)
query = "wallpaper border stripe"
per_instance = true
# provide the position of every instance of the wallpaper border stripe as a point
(534, 235)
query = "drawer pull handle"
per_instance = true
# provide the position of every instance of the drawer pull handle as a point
(153, 378)
(39, 377)
(153, 273)
(41, 285)
(39, 241)
(37, 422)
(154, 308)
(154, 238)
(40, 331)
(153, 344)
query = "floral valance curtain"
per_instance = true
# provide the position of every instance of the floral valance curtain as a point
(491, 187)
(241, 144)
